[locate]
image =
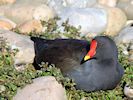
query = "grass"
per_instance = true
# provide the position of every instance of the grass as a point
(11, 79)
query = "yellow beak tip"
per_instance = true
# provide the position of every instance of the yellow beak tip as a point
(86, 58)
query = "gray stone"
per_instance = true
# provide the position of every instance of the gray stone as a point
(22, 12)
(30, 26)
(125, 40)
(57, 5)
(128, 91)
(43, 88)
(80, 3)
(125, 36)
(6, 23)
(2, 88)
(109, 3)
(127, 7)
(22, 43)
(116, 20)
(33, 2)
(3, 2)
(91, 20)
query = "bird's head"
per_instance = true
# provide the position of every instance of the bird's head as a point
(101, 47)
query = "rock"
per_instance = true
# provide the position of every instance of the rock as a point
(30, 26)
(33, 2)
(6, 24)
(56, 5)
(26, 53)
(91, 20)
(110, 3)
(127, 7)
(43, 12)
(2, 10)
(116, 20)
(80, 3)
(125, 38)
(129, 23)
(2, 88)
(59, 5)
(3, 2)
(20, 13)
(43, 88)
(128, 91)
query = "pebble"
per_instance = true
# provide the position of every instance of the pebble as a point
(2, 88)
(125, 36)
(20, 13)
(33, 2)
(116, 20)
(80, 3)
(91, 20)
(109, 3)
(3, 2)
(128, 91)
(26, 52)
(30, 26)
(42, 88)
(6, 23)
(125, 40)
(43, 12)
(59, 5)
(56, 5)
(127, 7)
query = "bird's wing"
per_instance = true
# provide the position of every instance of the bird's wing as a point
(64, 53)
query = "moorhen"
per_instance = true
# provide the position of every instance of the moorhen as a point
(92, 65)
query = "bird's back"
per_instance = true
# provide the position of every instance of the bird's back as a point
(64, 53)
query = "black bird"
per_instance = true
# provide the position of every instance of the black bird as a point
(92, 65)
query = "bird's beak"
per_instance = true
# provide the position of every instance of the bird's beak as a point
(92, 51)
(87, 57)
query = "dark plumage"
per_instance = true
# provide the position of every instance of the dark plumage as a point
(101, 72)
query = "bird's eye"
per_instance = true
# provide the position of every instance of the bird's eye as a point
(94, 58)
(101, 44)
